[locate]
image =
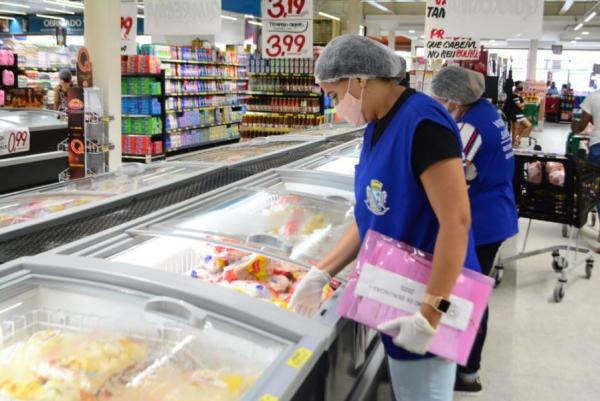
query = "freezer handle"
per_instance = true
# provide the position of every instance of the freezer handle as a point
(161, 306)
(270, 241)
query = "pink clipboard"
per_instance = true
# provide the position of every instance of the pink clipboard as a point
(389, 281)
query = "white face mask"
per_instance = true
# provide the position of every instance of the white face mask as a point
(350, 108)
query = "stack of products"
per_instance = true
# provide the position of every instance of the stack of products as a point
(255, 125)
(141, 125)
(140, 86)
(141, 105)
(202, 53)
(567, 104)
(141, 145)
(285, 105)
(140, 65)
(198, 137)
(203, 118)
(196, 86)
(259, 65)
(180, 104)
(205, 71)
(284, 84)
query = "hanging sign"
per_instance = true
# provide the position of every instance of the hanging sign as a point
(287, 30)
(85, 78)
(182, 17)
(128, 27)
(490, 18)
(14, 140)
(438, 44)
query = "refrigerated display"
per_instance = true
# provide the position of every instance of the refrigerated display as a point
(42, 162)
(22, 212)
(257, 237)
(341, 132)
(340, 160)
(80, 330)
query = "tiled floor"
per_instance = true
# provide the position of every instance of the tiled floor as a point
(538, 350)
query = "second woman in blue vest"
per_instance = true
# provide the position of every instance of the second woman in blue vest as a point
(409, 185)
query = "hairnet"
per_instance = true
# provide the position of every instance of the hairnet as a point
(65, 75)
(350, 56)
(458, 84)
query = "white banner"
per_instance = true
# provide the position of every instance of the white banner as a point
(287, 30)
(494, 19)
(438, 44)
(14, 140)
(182, 17)
(128, 27)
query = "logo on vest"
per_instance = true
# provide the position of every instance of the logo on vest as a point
(377, 198)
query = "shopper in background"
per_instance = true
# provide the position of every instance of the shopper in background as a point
(513, 108)
(553, 90)
(409, 185)
(490, 169)
(60, 91)
(564, 90)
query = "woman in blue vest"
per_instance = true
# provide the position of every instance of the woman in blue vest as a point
(490, 169)
(409, 185)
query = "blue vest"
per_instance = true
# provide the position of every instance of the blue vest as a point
(493, 206)
(389, 199)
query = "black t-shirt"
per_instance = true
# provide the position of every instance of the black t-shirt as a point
(432, 142)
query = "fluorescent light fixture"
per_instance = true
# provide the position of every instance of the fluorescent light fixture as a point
(579, 26)
(492, 41)
(379, 6)
(8, 18)
(361, 30)
(585, 33)
(248, 16)
(333, 17)
(65, 4)
(141, 16)
(228, 17)
(573, 41)
(578, 38)
(590, 17)
(50, 16)
(422, 36)
(59, 11)
(6, 3)
(140, 6)
(255, 23)
(12, 12)
(411, 31)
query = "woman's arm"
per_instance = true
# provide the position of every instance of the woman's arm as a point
(343, 253)
(581, 125)
(446, 189)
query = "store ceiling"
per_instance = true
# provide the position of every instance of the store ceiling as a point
(41, 6)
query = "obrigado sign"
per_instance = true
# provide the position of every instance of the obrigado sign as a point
(68, 23)
(72, 23)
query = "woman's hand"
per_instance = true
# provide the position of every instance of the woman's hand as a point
(414, 332)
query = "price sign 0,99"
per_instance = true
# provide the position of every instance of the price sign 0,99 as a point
(287, 29)
(14, 140)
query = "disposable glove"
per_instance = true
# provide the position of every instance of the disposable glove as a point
(415, 332)
(308, 294)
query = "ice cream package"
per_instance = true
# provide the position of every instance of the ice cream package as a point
(389, 282)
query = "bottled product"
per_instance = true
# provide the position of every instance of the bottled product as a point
(259, 65)
(285, 105)
(283, 84)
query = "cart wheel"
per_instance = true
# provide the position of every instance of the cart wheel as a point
(559, 292)
(498, 275)
(589, 268)
(565, 231)
(559, 263)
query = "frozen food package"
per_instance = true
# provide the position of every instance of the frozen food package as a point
(389, 282)
(534, 172)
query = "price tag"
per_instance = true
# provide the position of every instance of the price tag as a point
(287, 29)
(300, 357)
(14, 140)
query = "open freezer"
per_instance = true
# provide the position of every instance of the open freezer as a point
(339, 132)
(339, 160)
(26, 211)
(78, 330)
(257, 237)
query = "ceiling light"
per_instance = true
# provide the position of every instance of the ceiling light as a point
(50, 16)
(59, 11)
(573, 41)
(12, 12)
(590, 17)
(379, 6)
(140, 6)
(333, 17)
(411, 31)
(141, 16)
(248, 16)
(422, 36)
(6, 3)
(9, 18)
(585, 33)
(65, 4)
(579, 26)
(228, 17)
(578, 38)
(255, 23)
(492, 41)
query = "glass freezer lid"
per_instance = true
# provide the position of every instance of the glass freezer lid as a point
(352, 150)
(22, 208)
(33, 119)
(70, 342)
(299, 227)
(239, 152)
(338, 165)
(131, 177)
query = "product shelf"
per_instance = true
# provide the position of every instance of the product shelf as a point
(203, 108)
(176, 61)
(204, 78)
(290, 94)
(203, 144)
(174, 130)
(187, 94)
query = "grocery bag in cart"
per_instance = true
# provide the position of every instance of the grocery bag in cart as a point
(389, 282)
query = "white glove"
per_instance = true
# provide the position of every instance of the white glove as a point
(415, 332)
(308, 294)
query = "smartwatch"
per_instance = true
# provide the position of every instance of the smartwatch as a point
(438, 303)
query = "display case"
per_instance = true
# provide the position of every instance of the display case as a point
(258, 238)
(340, 160)
(24, 211)
(74, 330)
(39, 162)
(338, 132)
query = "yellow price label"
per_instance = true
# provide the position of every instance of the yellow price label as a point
(268, 397)
(300, 357)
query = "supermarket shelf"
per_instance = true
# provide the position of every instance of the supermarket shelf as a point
(139, 75)
(141, 95)
(174, 130)
(279, 74)
(290, 94)
(140, 115)
(186, 94)
(280, 113)
(265, 129)
(140, 157)
(45, 69)
(205, 78)
(174, 61)
(204, 108)
(203, 144)
(142, 134)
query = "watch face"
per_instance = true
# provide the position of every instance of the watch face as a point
(444, 305)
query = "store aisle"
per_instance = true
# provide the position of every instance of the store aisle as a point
(538, 350)
(553, 138)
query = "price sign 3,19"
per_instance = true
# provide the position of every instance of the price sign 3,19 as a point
(280, 45)
(285, 8)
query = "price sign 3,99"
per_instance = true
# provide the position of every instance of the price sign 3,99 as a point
(14, 141)
(282, 45)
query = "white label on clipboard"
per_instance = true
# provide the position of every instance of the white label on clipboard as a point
(405, 294)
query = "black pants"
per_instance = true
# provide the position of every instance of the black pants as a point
(486, 255)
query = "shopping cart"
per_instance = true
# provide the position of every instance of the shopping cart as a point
(568, 204)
